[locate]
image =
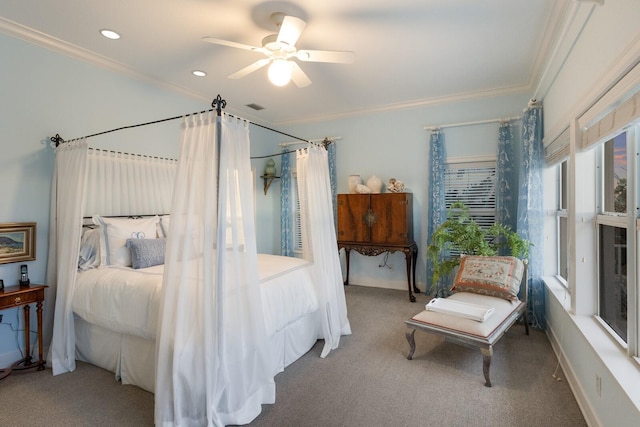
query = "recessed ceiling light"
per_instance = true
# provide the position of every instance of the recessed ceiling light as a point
(199, 73)
(110, 34)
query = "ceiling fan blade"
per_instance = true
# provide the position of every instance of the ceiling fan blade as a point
(249, 69)
(298, 76)
(231, 44)
(290, 30)
(335, 56)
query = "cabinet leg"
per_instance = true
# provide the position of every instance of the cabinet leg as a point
(407, 257)
(41, 362)
(346, 256)
(27, 337)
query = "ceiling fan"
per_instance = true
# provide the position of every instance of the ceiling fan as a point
(280, 49)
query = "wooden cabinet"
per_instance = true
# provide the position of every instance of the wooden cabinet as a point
(385, 218)
(372, 224)
(16, 296)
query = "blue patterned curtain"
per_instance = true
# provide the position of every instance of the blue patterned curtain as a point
(286, 220)
(331, 155)
(506, 178)
(437, 210)
(530, 211)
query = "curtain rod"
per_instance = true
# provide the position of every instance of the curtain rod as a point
(131, 154)
(478, 122)
(329, 138)
(218, 104)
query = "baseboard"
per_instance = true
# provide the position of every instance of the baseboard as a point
(589, 414)
(8, 359)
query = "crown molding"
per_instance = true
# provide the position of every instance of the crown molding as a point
(76, 52)
(418, 103)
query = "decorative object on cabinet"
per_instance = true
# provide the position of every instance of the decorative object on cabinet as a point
(395, 186)
(362, 189)
(270, 169)
(17, 242)
(372, 224)
(462, 235)
(375, 184)
(353, 182)
(15, 296)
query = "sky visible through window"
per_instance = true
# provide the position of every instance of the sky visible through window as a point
(620, 156)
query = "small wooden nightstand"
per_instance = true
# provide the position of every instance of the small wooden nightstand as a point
(16, 296)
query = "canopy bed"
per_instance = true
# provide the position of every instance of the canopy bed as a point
(205, 322)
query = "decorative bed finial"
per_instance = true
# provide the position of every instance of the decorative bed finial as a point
(57, 140)
(219, 103)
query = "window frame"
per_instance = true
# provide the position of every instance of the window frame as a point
(628, 221)
(562, 239)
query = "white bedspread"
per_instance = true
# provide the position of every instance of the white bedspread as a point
(127, 301)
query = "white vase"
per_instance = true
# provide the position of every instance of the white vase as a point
(353, 182)
(375, 184)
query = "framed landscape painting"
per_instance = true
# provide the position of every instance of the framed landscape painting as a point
(17, 242)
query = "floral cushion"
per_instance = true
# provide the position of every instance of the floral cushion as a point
(497, 276)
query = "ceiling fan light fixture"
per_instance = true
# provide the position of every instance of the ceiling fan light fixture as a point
(280, 72)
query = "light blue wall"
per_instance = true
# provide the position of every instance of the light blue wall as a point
(395, 144)
(44, 93)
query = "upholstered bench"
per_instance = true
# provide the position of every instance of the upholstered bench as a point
(498, 280)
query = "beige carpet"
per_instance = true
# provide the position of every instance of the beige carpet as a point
(366, 382)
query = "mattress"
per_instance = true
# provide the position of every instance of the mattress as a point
(127, 301)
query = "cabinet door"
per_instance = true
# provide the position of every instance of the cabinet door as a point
(393, 218)
(352, 209)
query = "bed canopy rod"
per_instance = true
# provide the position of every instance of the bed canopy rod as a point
(478, 122)
(218, 105)
(320, 141)
(326, 140)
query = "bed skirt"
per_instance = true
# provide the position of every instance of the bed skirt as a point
(132, 358)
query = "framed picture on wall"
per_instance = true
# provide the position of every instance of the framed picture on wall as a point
(17, 242)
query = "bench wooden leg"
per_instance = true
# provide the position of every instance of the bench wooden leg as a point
(486, 364)
(412, 343)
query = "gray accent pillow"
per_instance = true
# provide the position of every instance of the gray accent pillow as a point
(147, 252)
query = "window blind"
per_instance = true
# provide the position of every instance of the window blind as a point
(558, 149)
(475, 186)
(612, 122)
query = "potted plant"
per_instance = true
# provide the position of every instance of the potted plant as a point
(460, 234)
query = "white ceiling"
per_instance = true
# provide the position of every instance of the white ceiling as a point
(408, 52)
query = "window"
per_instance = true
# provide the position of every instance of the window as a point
(562, 223)
(613, 222)
(473, 184)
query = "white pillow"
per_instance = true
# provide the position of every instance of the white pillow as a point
(116, 231)
(164, 225)
(89, 249)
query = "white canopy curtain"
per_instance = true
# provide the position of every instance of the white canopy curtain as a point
(65, 228)
(84, 183)
(212, 366)
(319, 244)
(128, 184)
